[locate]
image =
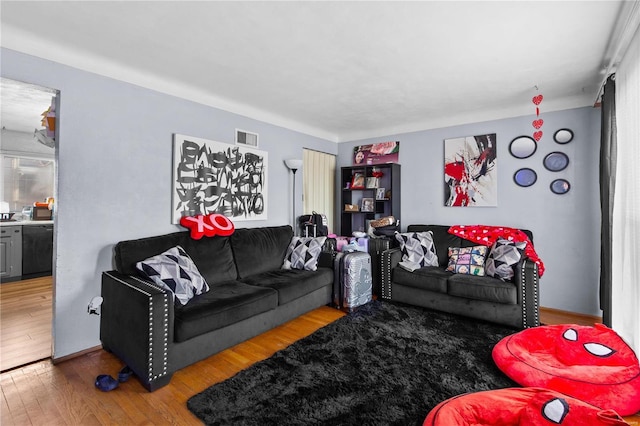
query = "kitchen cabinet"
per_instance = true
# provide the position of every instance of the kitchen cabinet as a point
(381, 195)
(10, 253)
(37, 250)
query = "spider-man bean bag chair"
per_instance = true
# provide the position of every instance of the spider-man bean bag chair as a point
(592, 364)
(519, 406)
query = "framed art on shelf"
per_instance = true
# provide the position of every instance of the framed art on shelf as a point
(358, 181)
(380, 194)
(367, 205)
(372, 182)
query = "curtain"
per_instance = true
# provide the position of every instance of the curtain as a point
(625, 273)
(318, 183)
(608, 154)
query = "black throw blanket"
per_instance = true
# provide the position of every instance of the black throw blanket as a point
(386, 364)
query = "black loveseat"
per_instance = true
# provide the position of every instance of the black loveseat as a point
(249, 294)
(514, 303)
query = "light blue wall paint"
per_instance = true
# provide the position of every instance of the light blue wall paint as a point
(114, 175)
(566, 228)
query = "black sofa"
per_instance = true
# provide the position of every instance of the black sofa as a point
(249, 294)
(514, 303)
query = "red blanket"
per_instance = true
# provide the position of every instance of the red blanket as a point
(487, 235)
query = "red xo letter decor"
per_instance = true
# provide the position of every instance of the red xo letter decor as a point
(210, 225)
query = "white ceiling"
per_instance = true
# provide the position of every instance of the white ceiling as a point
(22, 105)
(338, 70)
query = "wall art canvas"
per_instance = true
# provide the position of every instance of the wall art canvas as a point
(215, 177)
(470, 175)
(377, 153)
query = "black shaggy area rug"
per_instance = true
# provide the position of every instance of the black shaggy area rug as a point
(386, 364)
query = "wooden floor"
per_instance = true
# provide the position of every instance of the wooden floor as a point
(25, 321)
(64, 394)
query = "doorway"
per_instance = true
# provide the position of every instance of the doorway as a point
(318, 179)
(27, 203)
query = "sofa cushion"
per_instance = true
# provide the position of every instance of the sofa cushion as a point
(303, 253)
(467, 260)
(225, 304)
(482, 288)
(442, 240)
(212, 255)
(503, 256)
(292, 283)
(431, 278)
(174, 271)
(214, 258)
(258, 250)
(417, 247)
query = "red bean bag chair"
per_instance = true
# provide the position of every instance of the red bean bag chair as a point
(519, 406)
(592, 364)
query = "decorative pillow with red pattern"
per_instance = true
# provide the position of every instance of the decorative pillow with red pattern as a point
(487, 235)
(593, 364)
(519, 406)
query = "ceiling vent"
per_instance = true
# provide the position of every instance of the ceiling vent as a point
(246, 138)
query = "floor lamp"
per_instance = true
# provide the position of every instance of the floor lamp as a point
(294, 165)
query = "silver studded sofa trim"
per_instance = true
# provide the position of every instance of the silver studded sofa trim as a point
(140, 326)
(524, 314)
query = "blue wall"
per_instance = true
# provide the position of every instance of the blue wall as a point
(566, 228)
(114, 175)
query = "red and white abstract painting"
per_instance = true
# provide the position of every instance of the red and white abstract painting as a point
(470, 175)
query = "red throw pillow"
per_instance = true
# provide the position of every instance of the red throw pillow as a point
(593, 364)
(519, 406)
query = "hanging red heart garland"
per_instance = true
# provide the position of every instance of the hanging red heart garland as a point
(537, 124)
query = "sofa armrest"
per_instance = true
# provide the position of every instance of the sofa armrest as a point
(527, 284)
(390, 259)
(136, 324)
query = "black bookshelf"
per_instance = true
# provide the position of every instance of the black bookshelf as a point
(388, 205)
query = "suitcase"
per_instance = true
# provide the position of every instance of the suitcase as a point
(352, 286)
(313, 225)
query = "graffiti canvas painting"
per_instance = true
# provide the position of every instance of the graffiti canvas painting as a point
(470, 176)
(215, 177)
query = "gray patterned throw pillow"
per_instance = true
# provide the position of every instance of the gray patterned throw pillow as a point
(174, 271)
(303, 253)
(503, 256)
(418, 247)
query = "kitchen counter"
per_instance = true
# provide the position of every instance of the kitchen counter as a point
(27, 222)
(27, 249)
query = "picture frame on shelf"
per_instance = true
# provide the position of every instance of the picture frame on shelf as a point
(381, 194)
(372, 182)
(357, 182)
(368, 205)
